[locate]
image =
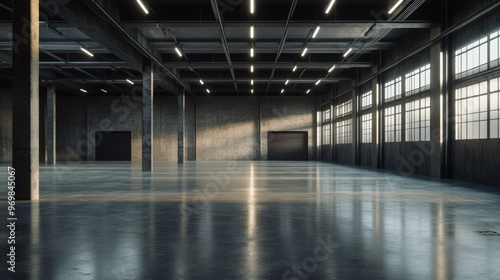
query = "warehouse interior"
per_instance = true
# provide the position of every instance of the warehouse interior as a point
(249, 139)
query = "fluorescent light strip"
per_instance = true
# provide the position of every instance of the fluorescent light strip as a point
(252, 6)
(251, 68)
(287, 81)
(347, 52)
(329, 7)
(304, 52)
(251, 82)
(87, 51)
(283, 90)
(82, 90)
(252, 32)
(105, 91)
(316, 31)
(251, 91)
(308, 91)
(252, 52)
(208, 91)
(319, 81)
(331, 69)
(130, 82)
(294, 68)
(201, 82)
(395, 6)
(178, 51)
(143, 6)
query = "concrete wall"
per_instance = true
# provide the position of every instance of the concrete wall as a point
(190, 128)
(71, 128)
(5, 126)
(236, 128)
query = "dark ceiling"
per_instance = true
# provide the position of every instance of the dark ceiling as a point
(214, 37)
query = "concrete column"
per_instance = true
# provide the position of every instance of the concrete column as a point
(25, 54)
(147, 116)
(51, 125)
(355, 127)
(181, 127)
(438, 108)
(376, 115)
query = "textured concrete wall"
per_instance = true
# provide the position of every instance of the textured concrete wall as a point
(190, 128)
(112, 113)
(5, 126)
(227, 128)
(71, 128)
(165, 128)
(289, 114)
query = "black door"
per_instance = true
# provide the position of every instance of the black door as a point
(287, 145)
(113, 146)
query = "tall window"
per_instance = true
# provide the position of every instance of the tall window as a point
(393, 124)
(418, 80)
(344, 132)
(344, 109)
(327, 134)
(494, 108)
(327, 116)
(393, 90)
(495, 49)
(472, 58)
(366, 100)
(471, 116)
(418, 120)
(366, 128)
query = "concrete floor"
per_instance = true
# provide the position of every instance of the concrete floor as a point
(251, 220)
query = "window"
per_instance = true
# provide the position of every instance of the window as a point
(393, 90)
(495, 49)
(494, 108)
(471, 59)
(366, 100)
(418, 120)
(418, 80)
(393, 124)
(344, 132)
(471, 112)
(366, 128)
(327, 134)
(327, 116)
(344, 109)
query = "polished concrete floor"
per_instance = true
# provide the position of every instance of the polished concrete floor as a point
(251, 220)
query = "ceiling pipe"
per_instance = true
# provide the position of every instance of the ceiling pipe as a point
(283, 40)
(223, 38)
(108, 18)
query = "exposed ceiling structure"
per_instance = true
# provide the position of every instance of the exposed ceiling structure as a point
(206, 45)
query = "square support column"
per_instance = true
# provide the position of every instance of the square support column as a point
(181, 127)
(438, 108)
(147, 116)
(375, 119)
(25, 54)
(51, 125)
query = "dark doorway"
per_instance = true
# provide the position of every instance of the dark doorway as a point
(113, 146)
(287, 145)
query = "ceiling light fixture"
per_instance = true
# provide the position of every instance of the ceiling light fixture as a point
(295, 68)
(130, 82)
(319, 81)
(143, 7)
(87, 51)
(252, 32)
(283, 90)
(252, 52)
(82, 90)
(304, 52)
(331, 69)
(105, 91)
(251, 91)
(316, 31)
(251, 68)
(347, 52)
(178, 51)
(201, 82)
(308, 91)
(395, 6)
(329, 6)
(287, 81)
(252, 6)
(208, 91)
(251, 82)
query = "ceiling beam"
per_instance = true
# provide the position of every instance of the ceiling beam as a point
(269, 65)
